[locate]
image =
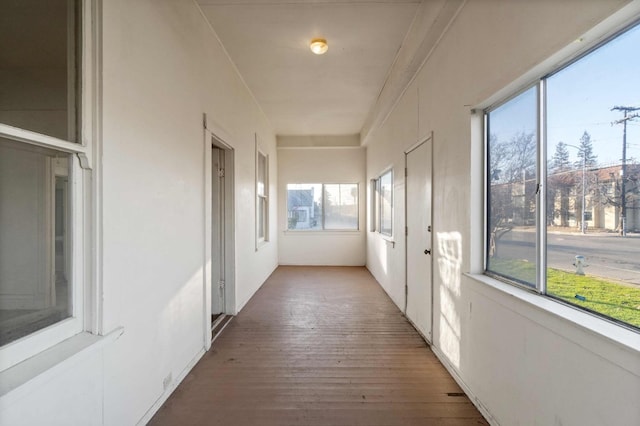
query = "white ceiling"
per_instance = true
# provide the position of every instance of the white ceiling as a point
(305, 94)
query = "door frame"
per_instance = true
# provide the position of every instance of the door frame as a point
(427, 139)
(217, 138)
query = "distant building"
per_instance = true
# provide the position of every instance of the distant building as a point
(300, 209)
(602, 198)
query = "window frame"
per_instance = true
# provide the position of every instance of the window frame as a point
(539, 81)
(322, 197)
(83, 191)
(376, 203)
(380, 215)
(262, 199)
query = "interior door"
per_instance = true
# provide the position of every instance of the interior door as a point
(218, 231)
(418, 212)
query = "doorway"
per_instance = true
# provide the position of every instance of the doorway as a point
(219, 237)
(419, 291)
(218, 217)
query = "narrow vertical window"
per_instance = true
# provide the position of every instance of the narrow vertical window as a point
(386, 203)
(262, 198)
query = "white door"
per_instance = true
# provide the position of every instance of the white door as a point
(418, 205)
(218, 231)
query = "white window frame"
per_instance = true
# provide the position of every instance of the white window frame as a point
(380, 200)
(83, 212)
(376, 203)
(537, 78)
(322, 195)
(262, 214)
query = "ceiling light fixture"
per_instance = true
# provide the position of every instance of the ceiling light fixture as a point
(318, 46)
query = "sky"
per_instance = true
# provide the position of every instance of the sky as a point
(580, 97)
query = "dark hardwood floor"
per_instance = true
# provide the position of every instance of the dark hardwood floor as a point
(319, 346)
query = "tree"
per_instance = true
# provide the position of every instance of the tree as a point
(559, 183)
(560, 161)
(586, 152)
(513, 184)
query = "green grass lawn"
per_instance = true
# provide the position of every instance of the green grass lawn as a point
(607, 297)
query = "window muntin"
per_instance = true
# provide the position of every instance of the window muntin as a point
(316, 206)
(38, 78)
(385, 198)
(590, 176)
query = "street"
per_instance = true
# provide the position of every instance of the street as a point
(608, 255)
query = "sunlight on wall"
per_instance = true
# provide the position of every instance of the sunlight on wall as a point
(449, 266)
(383, 247)
(181, 312)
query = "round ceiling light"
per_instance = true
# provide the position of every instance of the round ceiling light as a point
(318, 46)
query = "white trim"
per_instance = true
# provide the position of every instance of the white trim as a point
(91, 134)
(284, 148)
(38, 139)
(208, 214)
(261, 241)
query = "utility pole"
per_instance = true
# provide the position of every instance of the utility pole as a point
(623, 194)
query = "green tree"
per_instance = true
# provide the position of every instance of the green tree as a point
(560, 161)
(586, 152)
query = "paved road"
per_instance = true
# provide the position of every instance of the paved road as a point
(608, 255)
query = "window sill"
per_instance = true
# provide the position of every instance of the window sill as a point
(30, 374)
(323, 232)
(563, 320)
(389, 239)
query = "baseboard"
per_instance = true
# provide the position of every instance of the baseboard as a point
(472, 397)
(167, 393)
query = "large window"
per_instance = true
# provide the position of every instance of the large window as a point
(42, 184)
(563, 194)
(316, 206)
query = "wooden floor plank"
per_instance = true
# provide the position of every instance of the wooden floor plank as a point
(319, 346)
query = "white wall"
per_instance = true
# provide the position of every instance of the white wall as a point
(524, 360)
(321, 165)
(163, 68)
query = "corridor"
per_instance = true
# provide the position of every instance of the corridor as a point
(319, 346)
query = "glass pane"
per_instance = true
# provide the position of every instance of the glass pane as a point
(512, 188)
(386, 203)
(34, 247)
(262, 174)
(593, 195)
(262, 217)
(341, 206)
(304, 206)
(37, 76)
